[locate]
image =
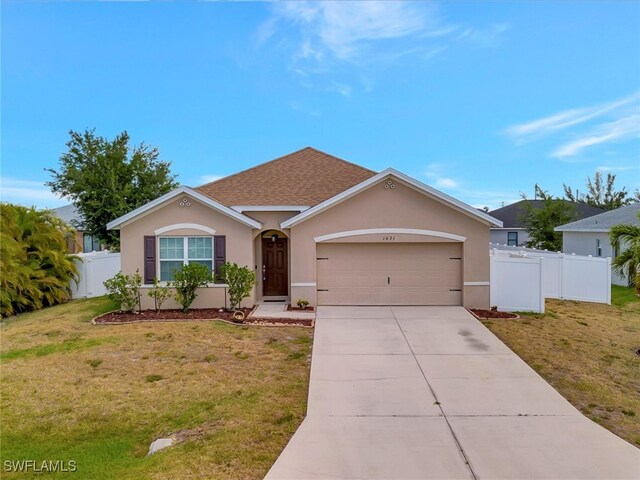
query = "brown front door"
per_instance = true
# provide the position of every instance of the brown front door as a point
(274, 267)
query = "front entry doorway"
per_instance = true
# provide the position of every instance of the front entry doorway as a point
(275, 268)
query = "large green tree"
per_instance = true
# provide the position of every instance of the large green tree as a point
(540, 221)
(600, 192)
(36, 269)
(628, 262)
(108, 178)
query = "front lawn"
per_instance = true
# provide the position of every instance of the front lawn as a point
(99, 395)
(587, 352)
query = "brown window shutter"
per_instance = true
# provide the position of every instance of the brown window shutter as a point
(149, 259)
(219, 252)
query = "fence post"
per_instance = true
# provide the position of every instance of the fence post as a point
(609, 283)
(561, 279)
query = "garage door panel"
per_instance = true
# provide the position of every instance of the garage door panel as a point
(389, 274)
(410, 281)
(351, 280)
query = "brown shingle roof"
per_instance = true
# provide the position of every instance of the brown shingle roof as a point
(306, 177)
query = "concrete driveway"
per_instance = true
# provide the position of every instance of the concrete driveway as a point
(429, 392)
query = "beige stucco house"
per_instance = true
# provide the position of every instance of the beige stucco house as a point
(315, 227)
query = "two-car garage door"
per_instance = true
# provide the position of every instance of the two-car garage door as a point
(389, 274)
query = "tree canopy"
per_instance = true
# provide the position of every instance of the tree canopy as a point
(108, 178)
(540, 221)
(601, 193)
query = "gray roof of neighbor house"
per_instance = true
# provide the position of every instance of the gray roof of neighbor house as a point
(604, 221)
(69, 214)
(513, 215)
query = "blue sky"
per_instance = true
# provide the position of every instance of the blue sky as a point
(480, 100)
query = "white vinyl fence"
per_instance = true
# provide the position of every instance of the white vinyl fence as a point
(95, 268)
(521, 277)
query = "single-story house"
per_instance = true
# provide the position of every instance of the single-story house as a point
(513, 231)
(83, 241)
(590, 236)
(315, 227)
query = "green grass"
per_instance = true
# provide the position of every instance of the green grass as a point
(586, 351)
(68, 345)
(99, 395)
(621, 296)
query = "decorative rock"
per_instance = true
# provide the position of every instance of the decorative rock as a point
(159, 444)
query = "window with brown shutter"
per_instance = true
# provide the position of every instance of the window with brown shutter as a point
(149, 259)
(220, 254)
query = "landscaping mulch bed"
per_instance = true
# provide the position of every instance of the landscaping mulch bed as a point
(170, 314)
(279, 321)
(292, 308)
(491, 314)
(175, 315)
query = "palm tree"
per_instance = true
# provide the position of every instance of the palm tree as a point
(628, 262)
(36, 269)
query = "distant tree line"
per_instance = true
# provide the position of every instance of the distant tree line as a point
(541, 220)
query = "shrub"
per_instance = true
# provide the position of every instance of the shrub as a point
(159, 293)
(36, 267)
(187, 280)
(302, 304)
(240, 281)
(125, 290)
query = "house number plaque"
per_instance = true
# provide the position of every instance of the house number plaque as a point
(388, 238)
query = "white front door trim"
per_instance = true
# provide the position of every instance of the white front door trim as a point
(384, 231)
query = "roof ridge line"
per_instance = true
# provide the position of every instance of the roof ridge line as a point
(281, 157)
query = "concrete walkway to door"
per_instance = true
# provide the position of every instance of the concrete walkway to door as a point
(429, 392)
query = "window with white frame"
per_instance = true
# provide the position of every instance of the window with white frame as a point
(598, 248)
(512, 238)
(178, 251)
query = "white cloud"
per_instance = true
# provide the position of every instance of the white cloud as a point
(622, 129)
(578, 129)
(484, 37)
(610, 168)
(28, 192)
(434, 172)
(343, 28)
(210, 178)
(567, 118)
(445, 182)
(327, 34)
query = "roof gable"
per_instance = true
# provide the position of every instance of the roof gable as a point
(604, 221)
(382, 176)
(306, 178)
(158, 202)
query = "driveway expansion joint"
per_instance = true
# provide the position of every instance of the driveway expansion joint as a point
(467, 462)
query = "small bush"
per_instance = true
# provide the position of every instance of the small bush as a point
(187, 280)
(125, 290)
(240, 281)
(302, 304)
(159, 293)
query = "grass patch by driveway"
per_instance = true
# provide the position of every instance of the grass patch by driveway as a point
(99, 395)
(587, 352)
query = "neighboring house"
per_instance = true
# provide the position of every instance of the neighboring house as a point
(513, 230)
(590, 236)
(83, 242)
(312, 226)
